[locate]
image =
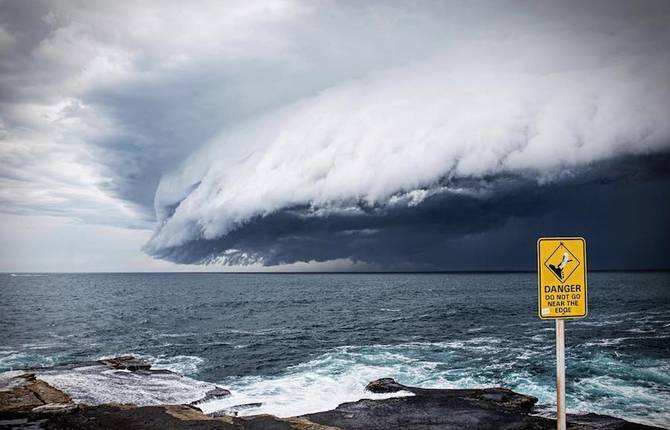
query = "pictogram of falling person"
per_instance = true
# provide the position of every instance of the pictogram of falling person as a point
(558, 270)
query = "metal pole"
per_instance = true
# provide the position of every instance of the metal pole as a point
(560, 375)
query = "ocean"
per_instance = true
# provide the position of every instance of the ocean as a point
(300, 343)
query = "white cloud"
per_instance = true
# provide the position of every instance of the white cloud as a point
(65, 153)
(56, 244)
(503, 110)
(48, 167)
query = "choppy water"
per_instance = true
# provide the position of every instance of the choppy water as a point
(304, 343)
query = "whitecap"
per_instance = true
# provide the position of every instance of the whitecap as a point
(182, 364)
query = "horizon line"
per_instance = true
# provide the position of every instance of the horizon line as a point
(373, 272)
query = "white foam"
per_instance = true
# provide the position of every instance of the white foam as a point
(606, 342)
(28, 275)
(182, 364)
(8, 379)
(635, 398)
(341, 375)
(98, 384)
(23, 359)
(315, 386)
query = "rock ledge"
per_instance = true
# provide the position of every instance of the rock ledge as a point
(28, 402)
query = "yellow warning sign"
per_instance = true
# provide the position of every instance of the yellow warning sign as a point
(561, 277)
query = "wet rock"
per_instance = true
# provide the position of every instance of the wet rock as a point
(301, 423)
(47, 393)
(508, 399)
(19, 399)
(111, 417)
(185, 412)
(595, 421)
(28, 402)
(385, 385)
(26, 393)
(500, 397)
(22, 423)
(126, 362)
(55, 408)
(233, 410)
(215, 393)
(448, 409)
(270, 422)
(429, 411)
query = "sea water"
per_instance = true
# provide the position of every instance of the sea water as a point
(300, 343)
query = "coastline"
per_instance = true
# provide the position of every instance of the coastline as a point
(28, 400)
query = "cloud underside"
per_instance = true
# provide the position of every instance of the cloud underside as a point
(621, 206)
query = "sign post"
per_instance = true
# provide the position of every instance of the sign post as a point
(560, 375)
(562, 294)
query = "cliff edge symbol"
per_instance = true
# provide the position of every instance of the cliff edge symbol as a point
(562, 263)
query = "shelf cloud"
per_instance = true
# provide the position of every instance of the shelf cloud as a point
(383, 167)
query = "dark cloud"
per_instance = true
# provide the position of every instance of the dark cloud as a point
(153, 94)
(620, 206)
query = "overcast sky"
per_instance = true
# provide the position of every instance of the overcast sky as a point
(332, 135)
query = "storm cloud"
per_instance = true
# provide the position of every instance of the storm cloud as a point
(620, 206)
(408, 136)
(395, 166)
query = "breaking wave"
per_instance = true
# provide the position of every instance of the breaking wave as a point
(340, 376)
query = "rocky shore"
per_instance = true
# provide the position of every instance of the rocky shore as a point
(28, 401)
